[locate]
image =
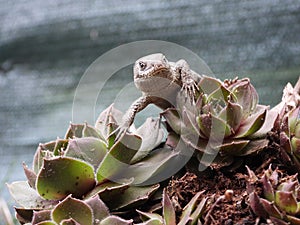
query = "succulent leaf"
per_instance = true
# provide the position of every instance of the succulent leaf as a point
(168, 210)
(27, 197)
(115, 221)
(88, 149)
(286, 201)
(62, 176)
(71, 208)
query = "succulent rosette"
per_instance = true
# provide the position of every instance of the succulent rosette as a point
(290, 137)
(225, 118)
(88, 167)
(279, 198)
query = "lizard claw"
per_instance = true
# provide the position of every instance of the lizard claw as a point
(119, 132)
(189, 89)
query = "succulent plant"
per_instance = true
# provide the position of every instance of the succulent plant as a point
(224, 119)
(190, 214)
(289, 136)
(279, 199)
(88, 162)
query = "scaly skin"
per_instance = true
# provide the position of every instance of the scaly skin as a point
(160, 82)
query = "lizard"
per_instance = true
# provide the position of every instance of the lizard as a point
(160, 81)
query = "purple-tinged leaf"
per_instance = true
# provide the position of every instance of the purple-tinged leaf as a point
(253, 123)
(40, 216)
(168, 210)
(71, 208)
(257, 206)
(271, 208)
(267, 188)
(31, 175)
(98, 207)
(286, 202)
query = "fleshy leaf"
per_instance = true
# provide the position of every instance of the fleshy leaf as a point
(46, 223)
(89, 131)
(98, 207)
(286, 201)
(108, 120)
(62, 176)
(188, 210)
(75, 130)
(209, 84)
(257, 206)
(271, 208)
(173, 119)
(24, 215)
(152, 216)
(71, 208)
(27, 197)
(267, 188)
(233, 147)
(108, 188)
(40, 216)
(129, 198)
(168, 210)
(115, 220)
(30, 174)
(253, 123)
(117, 160)
(152, 136)
(89, 149)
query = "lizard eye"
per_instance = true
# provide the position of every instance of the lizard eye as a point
(142, 65)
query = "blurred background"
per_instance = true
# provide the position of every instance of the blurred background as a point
(45, 47)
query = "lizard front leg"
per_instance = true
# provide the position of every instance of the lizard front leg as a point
(129, 116)
(189, 85)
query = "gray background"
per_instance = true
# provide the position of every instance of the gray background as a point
(45, 47)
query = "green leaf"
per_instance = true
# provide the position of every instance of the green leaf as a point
(253, 123)
(109, 189)
(151, 135)
(267, 188)
(71, 208)
(89, 131)
(89, 149)
(173, 119)
(209, 84)
(75, 130)
(152, 216)
(286, 201)
(115, 220)
(62, 176)
(27, 197)
(188, 210)
(233, 147)
(168, 210)
(117, 160)
(271, 208)
(129, 198)
(108, 120)
(46, 223)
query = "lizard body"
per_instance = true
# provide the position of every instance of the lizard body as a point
(160, 81)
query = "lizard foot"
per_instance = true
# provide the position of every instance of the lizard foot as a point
(120, 132)
(189, 89)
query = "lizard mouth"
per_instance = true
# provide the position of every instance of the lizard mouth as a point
(154, 72)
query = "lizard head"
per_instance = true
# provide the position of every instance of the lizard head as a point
(149, 70)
